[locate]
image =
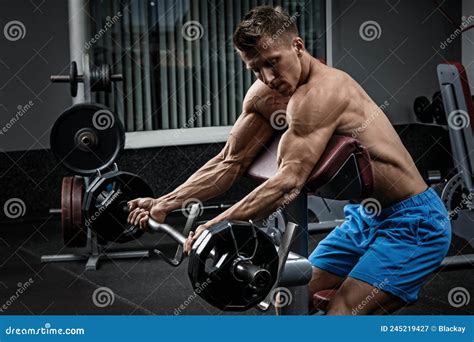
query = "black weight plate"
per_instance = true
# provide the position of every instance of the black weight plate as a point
(214, 280)
(86, 138)
(421, 109)
(73, 79)
(103, 206)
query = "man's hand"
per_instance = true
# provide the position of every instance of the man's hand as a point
(141, 209)
(193, 236)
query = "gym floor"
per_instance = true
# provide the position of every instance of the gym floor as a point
(146, 286)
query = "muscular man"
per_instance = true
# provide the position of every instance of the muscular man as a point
(380, 262)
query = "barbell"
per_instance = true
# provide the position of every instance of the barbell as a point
(233, 265)
(100, 77)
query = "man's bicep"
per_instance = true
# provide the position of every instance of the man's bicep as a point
(249, 134)
(299, 153)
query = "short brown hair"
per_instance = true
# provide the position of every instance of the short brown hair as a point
(263, 21)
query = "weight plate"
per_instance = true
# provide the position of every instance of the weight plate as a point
(104, 205)
(86, 138)
(420, 107)
(454, 195)
(73, 79)
(66, 212)
(213, 278)
(76, 235)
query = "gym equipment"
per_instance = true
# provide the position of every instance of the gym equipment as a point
(322, 298)
(100, 78)
(342, 173)
(438, 113)
(245, 265)
(80, 234)
(428, 111)
(102, 214)
(458, 192)
(72, 223)
(233, 265)
(421, 108)
(87, 138)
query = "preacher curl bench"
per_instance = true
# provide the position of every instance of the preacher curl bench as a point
(342, 173)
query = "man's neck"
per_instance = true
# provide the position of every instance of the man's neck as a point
(307, 62)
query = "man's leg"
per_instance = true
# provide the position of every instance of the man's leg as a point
(356, 297)
(322, 280)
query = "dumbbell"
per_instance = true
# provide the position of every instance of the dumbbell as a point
(428, 111)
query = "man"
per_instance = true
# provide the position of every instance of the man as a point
(377, 262)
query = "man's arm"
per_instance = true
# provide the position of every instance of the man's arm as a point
(249, 134)
(311, 125)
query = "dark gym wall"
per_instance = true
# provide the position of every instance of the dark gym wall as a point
(35, 47)
(401, 63)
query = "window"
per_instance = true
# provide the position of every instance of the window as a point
(179, 64)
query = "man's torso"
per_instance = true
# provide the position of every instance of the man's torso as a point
(395, 174)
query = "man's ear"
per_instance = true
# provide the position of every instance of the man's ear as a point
(298, 45)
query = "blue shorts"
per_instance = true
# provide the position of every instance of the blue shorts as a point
(395, 250)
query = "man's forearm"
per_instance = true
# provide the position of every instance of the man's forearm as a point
(261, 202)
(211, 180)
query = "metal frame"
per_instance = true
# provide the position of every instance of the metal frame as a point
(329, 49)
(462, 143)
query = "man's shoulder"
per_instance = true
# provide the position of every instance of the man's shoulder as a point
(329, 81)
(322, 99)
(263, 100)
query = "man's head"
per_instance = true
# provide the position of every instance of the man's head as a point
(268, 42)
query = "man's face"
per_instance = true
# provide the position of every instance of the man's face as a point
(275, 63)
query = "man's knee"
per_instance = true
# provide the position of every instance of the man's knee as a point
(356, 297)
(323, 280)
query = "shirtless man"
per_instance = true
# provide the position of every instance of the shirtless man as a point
(379, 261)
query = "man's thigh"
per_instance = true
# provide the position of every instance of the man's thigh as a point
(356, 297)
